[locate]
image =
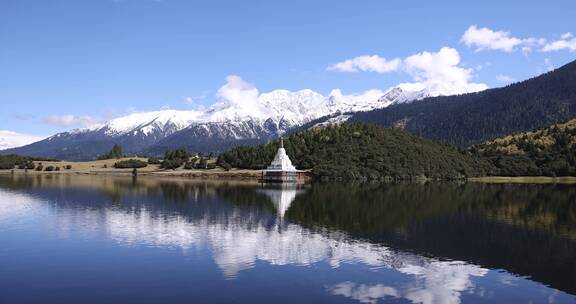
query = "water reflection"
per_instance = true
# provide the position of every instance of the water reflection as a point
(439, 241)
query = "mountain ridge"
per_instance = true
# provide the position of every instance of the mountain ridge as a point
(219, 127)
(463, 120)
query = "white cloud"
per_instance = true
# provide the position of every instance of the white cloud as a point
(567, 42)
(505, 78)
(441, 72)
(488, 39)
(10, 139)
(242, 96)
(70, 120)
(367, 63)
(237, 91)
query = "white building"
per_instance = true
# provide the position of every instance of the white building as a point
(281, 168)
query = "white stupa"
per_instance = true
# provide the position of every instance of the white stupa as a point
(281, 168)
(281, 161)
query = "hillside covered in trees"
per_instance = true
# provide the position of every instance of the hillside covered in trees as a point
(463, 120)
(548, 151)
(360, 151)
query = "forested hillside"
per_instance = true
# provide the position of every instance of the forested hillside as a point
(549, 151)
(469, 119)
(360, 151)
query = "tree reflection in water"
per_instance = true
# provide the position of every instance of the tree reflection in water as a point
(438, 237)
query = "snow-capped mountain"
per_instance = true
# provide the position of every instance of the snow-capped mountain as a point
(408, 92)
(256, 118)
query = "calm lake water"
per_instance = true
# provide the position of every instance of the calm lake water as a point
(90, 239)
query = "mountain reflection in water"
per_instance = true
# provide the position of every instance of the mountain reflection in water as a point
(429, 243)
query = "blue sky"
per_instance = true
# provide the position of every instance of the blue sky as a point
(67, 63)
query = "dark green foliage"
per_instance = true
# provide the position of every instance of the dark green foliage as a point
(6, 165)
(548, 151)
(130, 163)
(172, 163)
(39, 167)
(174, 159)
(154, 161)
(226, 166)
(8, 162)
(68, 167)
(49, 168)
(359, 151)
(57, 169)
(115, 152)
(468, 119)
(177, 154)
(202, 163)
(191, 164)
(28, 164)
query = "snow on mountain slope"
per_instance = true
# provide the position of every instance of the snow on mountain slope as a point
(10, 139)
(242, 115)
(293, 108)
(146, 122)
(408, 92)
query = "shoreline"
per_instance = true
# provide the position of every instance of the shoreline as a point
(212, 174)
(106, 168)
(523, 180)
(243, 174)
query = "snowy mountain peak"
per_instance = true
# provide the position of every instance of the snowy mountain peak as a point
(147, 122)
(241, 116)
(282, 108)
(406, 92)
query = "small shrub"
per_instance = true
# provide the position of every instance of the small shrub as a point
(57, 169)
(172, 163)
(39, 167)
(68, 167)
(202, 163)
(49, 168)
(105, 166)
(154, 161)
(226, 166)
(189, 165)
(6, 165)
(130, 163)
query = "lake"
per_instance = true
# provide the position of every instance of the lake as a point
(96, 239)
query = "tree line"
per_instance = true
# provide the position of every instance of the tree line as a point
(361, 151)
(550, 151)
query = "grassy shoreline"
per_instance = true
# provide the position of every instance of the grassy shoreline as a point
(524, 179)
(106, 167)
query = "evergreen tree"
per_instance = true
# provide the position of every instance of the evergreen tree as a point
(115, 152)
